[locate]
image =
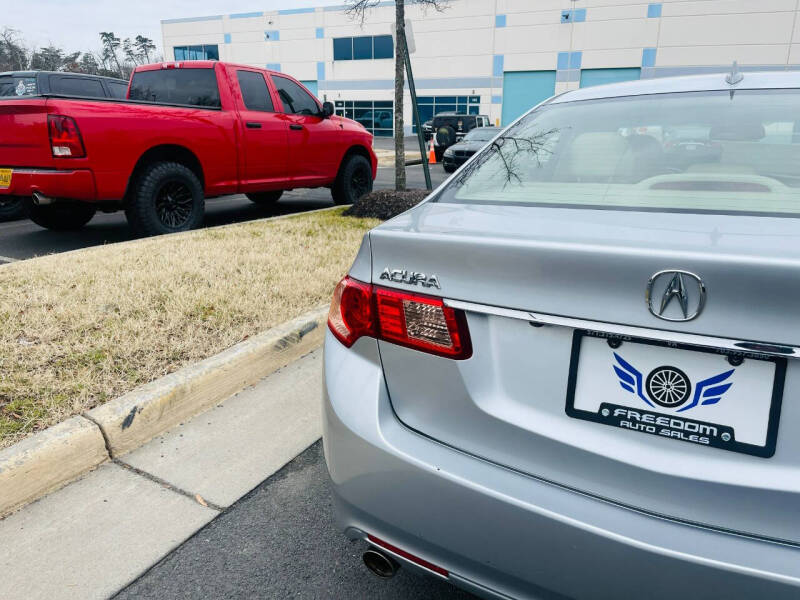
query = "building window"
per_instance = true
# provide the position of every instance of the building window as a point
(377, 116)
(365, 47)
(205, 52)
(430, 106)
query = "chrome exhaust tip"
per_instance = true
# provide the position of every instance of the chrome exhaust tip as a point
(42, 200)
(380, 564)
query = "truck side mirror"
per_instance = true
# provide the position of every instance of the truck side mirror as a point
(327, 109)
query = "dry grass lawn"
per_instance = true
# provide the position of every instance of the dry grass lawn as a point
(81, 328)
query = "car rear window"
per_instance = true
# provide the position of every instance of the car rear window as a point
(480, 134)
(457, 122)
(16, 86)
(191, 87)
(76, 86)
(118, 89)
(715, 151)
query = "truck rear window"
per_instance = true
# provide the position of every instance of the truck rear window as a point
(716, 151)
(191, 87)
(11, 85)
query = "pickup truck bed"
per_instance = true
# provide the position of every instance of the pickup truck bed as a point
(190, 131)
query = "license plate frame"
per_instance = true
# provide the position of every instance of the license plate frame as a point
(6, 175)
(765, 451)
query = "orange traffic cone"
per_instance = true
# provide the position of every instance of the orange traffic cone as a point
(432, 155)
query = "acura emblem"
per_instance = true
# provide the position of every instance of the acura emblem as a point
(675, 295)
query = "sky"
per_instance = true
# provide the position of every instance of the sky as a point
(75, 24)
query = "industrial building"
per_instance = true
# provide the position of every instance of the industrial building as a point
(493, 57)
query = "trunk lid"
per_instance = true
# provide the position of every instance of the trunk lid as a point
(507, 403)
(24, 141)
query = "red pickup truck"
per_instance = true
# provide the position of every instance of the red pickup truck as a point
(187, 131)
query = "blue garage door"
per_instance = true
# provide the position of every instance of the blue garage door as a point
(590, 77)
(312, 87)
(522, 90)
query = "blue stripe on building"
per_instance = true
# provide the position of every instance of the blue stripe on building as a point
(249, 15)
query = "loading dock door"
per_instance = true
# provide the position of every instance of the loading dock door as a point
(522, 90)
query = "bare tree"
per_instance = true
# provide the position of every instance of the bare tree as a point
(145, 47)
(88, 64)
(111, 44)
(50, 58)
(357, 9)
(13, 54)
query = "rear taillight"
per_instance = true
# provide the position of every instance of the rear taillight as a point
(351, 313)
(65, 138)
(420, 322)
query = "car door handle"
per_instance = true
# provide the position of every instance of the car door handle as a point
(296, 127)
(251, 125)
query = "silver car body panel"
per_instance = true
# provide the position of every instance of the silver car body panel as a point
(475, 464)
(502, 534)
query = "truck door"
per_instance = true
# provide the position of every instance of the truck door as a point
(313, 140)
(264, 135)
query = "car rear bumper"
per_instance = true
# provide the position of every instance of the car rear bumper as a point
(503, 534)
(75, 184)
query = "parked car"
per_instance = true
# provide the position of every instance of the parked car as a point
(457, 154)
(19, 84)
(427, 129)
(574, 370)
(190, 131)
(378, 119)
(449, 128)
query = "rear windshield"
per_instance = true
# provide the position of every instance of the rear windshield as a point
(694, 152)
(13, 85)
(458, 122)
(118, 89)
(192, 87)
(480, 134)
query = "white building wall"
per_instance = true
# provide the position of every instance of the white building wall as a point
(467, 49)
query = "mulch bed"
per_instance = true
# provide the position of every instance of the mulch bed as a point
(385, 204)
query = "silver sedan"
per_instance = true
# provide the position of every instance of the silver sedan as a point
(572, 371)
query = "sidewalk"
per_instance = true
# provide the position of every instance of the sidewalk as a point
(93, 537)
(384, 149)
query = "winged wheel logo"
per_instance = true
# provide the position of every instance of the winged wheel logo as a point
(669, 387)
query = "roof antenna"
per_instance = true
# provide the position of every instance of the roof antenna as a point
(735, 76)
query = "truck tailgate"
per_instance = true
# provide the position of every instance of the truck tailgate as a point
(24, 141)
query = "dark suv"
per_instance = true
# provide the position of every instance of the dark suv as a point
(450, 128)
(38, 83)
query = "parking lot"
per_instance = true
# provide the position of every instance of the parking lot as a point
(249, 351)
(280, 541)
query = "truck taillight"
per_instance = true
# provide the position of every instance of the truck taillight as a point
(420, 322)
(65, 138)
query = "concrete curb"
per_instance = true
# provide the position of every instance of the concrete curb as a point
(137, 417)
(48, 460)
(60, 454)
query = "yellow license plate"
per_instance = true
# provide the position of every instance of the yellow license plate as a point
(5, 178)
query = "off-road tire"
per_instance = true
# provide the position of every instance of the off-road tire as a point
(62, 216)
(354, 180)
(265, 198)
(448, 169)
(166, 198)
(11, 208)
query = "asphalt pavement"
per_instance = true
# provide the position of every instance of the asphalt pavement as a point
(24, 239)
(280, 541)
